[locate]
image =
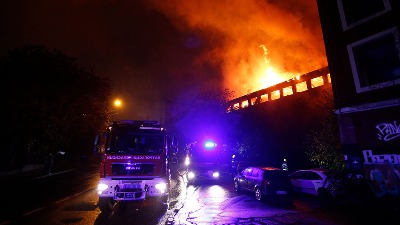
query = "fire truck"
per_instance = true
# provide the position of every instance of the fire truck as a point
(203, 161)
(134, 163)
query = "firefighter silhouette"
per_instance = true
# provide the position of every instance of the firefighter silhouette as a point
(284, 165)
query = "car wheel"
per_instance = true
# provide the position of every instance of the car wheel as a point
(324, 196)
(258, 194)
(237, 187)
(164, 204)
(106, 204)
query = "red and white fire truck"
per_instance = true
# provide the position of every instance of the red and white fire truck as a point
(135, 163)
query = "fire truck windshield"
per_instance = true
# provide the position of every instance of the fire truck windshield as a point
(135, 143)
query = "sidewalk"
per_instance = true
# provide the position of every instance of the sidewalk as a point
(27, 172)
(37, 171)
(365, 209)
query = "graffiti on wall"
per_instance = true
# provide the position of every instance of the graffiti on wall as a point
(384, 173)
(384, 158)
(388, 131)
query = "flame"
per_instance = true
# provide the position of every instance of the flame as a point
(266, 59)
(233, 31)
(269, 77)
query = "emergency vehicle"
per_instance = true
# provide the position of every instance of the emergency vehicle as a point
(135, 163)
(203, 161)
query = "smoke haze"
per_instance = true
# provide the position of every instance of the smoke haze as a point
(160, 54)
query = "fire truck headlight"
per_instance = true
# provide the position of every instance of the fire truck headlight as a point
(215, 174)
(190, 175)
(101, 187)
(161, 187)
(187, 161)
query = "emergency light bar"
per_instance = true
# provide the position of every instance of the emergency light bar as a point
(210, 144)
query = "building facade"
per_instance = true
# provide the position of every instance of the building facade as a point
(362, 45)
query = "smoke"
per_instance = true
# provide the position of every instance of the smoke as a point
(161, 54)
(235, 30)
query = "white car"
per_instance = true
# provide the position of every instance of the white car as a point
(309, 181)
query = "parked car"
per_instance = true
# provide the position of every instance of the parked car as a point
(264, 182)
(310, 181)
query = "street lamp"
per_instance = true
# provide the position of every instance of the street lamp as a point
(117, 103)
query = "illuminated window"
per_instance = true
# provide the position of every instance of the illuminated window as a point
(375, 61)
(355, 12)
(236, 106)
(287, 91)
(264, 98)
(329, 78)
(275, 95)
(316, 82)
(253, 101)
(245, 104)
(300, 87)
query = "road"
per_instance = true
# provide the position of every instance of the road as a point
(70, 198)
(218, 203)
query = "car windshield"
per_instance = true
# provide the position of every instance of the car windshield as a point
(327, 173)
(135, 143)
(199, 155)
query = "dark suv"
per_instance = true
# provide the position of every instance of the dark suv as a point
(264, 182)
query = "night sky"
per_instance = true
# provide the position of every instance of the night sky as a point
(162, 53)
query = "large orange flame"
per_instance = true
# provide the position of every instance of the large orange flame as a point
(288, 32)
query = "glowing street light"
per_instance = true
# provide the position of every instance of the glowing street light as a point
(117, 103)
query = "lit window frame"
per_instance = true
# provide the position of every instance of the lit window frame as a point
(346, 25)
(354, 63)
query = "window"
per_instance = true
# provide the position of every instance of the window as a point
(247, 171)
(375, 61)
(314, 176)
(245, 104)
(355, 12)
(287, 91)
(316, 82)
(300, 87)
(264, 98)
(254, 173)
(275, 95)
(298, 175)
(138, 144)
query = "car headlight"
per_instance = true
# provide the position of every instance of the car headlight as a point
(215, 174)
(190, 175)
(161, 187)
(101, 187)
(187, 161)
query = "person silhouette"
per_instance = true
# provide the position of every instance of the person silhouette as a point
(284, 165)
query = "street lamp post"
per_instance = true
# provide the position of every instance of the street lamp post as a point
(117, 104)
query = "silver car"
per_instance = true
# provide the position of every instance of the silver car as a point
(310, 181)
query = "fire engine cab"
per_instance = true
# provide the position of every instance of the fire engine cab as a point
(135, 163)
(203, 161)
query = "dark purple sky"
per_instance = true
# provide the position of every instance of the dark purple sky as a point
(158, 50)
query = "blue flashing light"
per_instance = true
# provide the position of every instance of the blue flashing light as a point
(210, 145)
